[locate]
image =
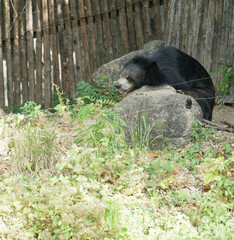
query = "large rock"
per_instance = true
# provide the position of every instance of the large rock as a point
(113, 69)
(168, 113)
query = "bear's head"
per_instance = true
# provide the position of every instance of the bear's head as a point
(135, 74)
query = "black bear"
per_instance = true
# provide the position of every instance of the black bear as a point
(170, 66)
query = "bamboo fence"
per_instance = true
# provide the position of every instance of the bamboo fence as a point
(62, 42)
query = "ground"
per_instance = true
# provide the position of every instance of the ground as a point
(119, 191)
(221, 113)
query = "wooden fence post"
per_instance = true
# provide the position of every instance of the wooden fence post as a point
(209, 35)
(7, 27)
(107, 31)
(84, 38)
(54, 45)
(91, 34)
(23, 51)
(146, 21)
(77, 43)
(99, 32)
(115, 33)
(68, 54)
(123, 27)
(61, 44)
(2, 92)
(30, 50)
(46, 45)
(38, 58)
(138, 25)
(157, 20)
(16, 65)
(131, 26)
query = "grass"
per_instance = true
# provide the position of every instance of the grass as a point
(33, 149)
(72, 176)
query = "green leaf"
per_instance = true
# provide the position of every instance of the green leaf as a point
(109, 218)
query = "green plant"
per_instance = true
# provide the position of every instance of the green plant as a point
(199, 133)
(107, 125)
(178, 198)
(90, 93)
(33, 149)
(228, 79)
(30, 108)
(218, 173)
(141, 134)
(63, 105)
(57, 98)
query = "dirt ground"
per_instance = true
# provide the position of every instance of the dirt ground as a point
(222, 113)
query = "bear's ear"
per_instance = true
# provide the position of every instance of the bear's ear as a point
(152, 66)
(125, 64)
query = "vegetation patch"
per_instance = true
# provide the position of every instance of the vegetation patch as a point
(71, 175)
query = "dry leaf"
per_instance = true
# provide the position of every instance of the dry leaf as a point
(206, 189)
(153, 154)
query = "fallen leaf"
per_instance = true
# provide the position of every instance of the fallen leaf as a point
(153, 154)
(206, 189)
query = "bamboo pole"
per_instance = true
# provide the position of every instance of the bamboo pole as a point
(46, 54)
(165, 14)
(70, 78)
(231, 33)
(61, 34)
(179, 20)
(157, 20)
(202, 35)
(7, 27)
(54, 45)
(123, 27)
(2, 89)
(99, 33)
(107, 30)
(23, 52)
(38, 59)
(209, 35)
(146, 21)
(138, 24)
(30, 50)
(191, 17)
(184, 26)
(131, 26)
(91, 34)
(115, 29)
(197, 26)
(217, 34)
(16, 60)
(79, 68)
(84, 37)
(227, 22)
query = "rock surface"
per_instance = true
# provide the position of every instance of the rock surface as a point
(113, 69)
(169, 114)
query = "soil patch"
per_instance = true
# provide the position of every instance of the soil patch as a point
(222, 113)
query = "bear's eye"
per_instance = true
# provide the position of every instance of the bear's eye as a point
(130, 79)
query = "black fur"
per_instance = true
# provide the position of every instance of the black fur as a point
(171, 66)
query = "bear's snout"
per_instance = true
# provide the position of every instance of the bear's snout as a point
(123, 85)
(117, 85)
